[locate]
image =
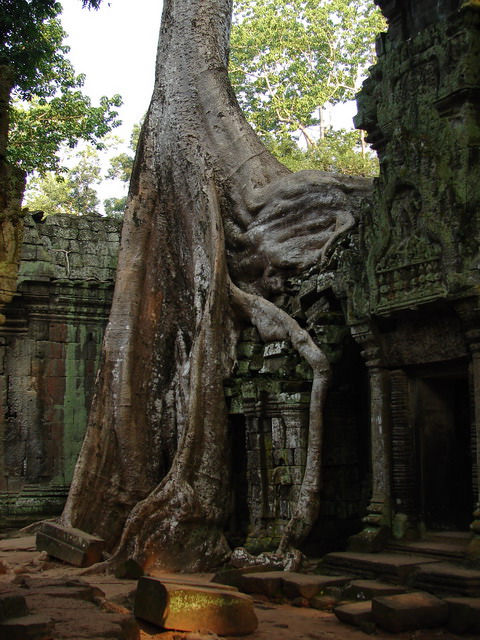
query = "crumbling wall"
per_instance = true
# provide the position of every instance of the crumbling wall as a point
(49, 351)
(269, 400)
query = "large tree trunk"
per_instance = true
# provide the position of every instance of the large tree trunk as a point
(213, 225)
(12, 185)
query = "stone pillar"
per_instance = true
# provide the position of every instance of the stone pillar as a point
(404, 471)
(469, 313)
(474, 547)
(377, 522)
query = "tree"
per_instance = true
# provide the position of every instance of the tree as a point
(290, 58)
(48, 107)
(204, 247)
(121, 167)
(338, 152)
(73, 192)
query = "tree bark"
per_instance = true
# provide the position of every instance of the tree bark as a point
(213, 226)
(12, 186)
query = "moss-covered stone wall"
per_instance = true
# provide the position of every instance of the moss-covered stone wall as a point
(410, 270)
(269, 400)
(50, 347)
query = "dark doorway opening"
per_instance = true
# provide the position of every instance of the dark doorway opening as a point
(444, 447)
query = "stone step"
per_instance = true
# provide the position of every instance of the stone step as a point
(72, 588)
(289, 584)
(464, 615)
(409, 611)
(359, 590)
(461, 538)
(438, 549)
(392, 567)
(189, 608)
(357, 614)
(446, 577)
(30, 627)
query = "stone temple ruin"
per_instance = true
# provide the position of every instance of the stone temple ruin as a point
(395, 307)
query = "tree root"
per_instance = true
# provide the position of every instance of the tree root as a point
(291, 560)
(273, 323)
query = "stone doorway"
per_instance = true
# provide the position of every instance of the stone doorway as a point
(443, 442)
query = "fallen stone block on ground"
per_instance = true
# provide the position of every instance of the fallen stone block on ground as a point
(70, 545)
(408, 611)
(357, 614)
(266, 583)
(129, 569)
(12, 603)
(193, 608)
(464, 614)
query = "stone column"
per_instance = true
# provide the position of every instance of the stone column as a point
(404, 468)
(377, 522)
(474, 547)
(469, 313)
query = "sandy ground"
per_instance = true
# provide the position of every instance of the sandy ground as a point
(18, 557)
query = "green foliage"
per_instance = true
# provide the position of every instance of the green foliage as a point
(115, 206)
(40, 128)
(71, 193)
(24, 43)
(121, 167)
(289, 58)
(338, 152)
(48, 108)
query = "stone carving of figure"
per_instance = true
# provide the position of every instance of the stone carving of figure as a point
(282, 482)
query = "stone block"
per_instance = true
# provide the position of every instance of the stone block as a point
(408, 611)
(129, 569)
(307, 586)
(267, 583)
(323, 603)
(70, 545)
(447, 577)
(32, 627)
(71, 589)
(193, 608)
(368, 589)
(463, 614)
(12, 604)
(395, 567)
(354, 613)
(233, 578)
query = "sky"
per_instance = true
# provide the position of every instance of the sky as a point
(115, 48)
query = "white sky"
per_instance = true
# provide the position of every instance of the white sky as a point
(115, 48)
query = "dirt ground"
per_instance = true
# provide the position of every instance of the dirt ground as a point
(18, 557)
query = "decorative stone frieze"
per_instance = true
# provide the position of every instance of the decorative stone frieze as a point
(410, 270)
